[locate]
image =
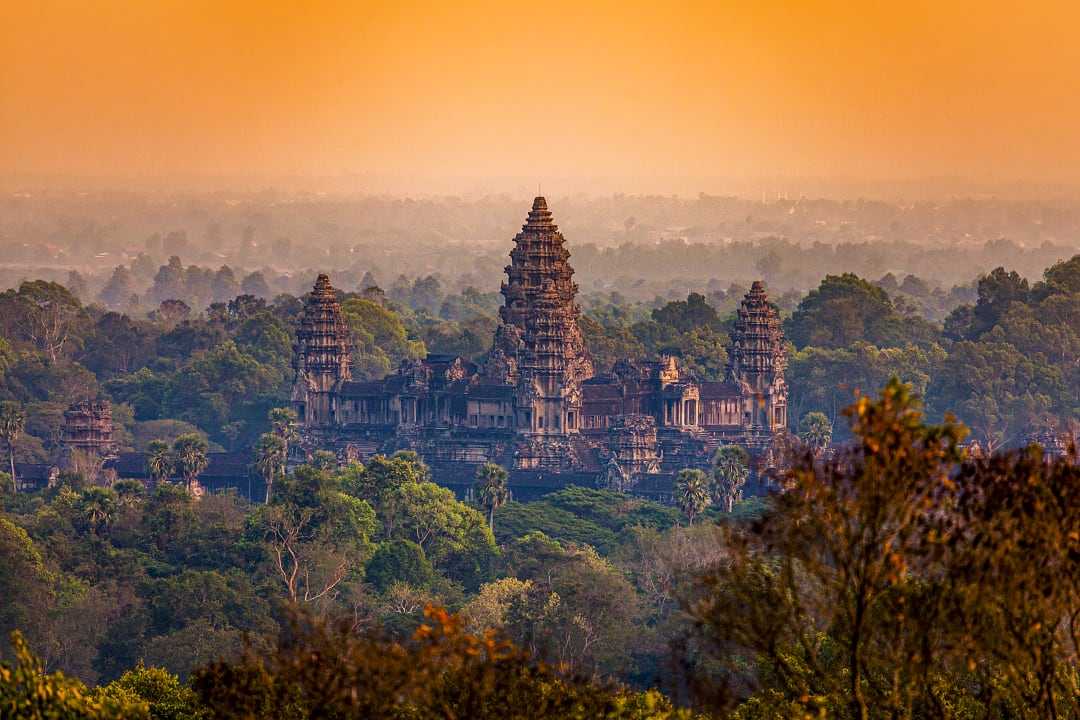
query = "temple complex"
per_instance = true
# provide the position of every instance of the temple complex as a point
(534, 402)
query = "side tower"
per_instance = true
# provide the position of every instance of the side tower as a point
(539, 347)
(321, 357)
(88, 427)
(757, 359)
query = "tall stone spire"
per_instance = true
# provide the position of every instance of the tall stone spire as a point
(540, 299)
(757, 358)
(88, 427)
(539, 347)
(321, 355)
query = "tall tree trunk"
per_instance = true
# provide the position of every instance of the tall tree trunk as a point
(11, 458)
(491, 518)
(269, 485)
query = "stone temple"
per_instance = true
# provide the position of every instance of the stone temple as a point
(535, 403)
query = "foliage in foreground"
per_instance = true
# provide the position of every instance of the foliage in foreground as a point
(901, 580)
(320, 670)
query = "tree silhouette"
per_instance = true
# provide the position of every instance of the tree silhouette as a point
(190, 453)
(816, 431)
(159, 461)
(12, 422)
(731, 467)
(492, 489)
(692, 492)
(270, 456)
(283, 424)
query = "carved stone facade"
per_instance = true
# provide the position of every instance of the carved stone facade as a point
(535, 403)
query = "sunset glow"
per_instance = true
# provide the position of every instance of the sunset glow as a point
(619, 95)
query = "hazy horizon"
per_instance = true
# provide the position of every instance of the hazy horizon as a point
(805, 98)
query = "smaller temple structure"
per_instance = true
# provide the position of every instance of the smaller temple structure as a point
(88, 428)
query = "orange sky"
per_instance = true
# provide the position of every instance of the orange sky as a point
(632, 93)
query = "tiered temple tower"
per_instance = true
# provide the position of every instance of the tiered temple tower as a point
(321, 356)
(539, 344)
(88, 427)
(756, 361)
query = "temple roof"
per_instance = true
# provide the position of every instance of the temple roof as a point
(221, 466)
(717, 390)
(491, 392)
(592, 391)
(363, 389)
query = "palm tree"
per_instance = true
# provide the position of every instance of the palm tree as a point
(731, 468)
(159, 461)
(190, 453)
(492, 489)
(99, 506)
(816, 431)
(692, 492)
(283, 424)
(128, 493)
(270, 457)
(12, 422)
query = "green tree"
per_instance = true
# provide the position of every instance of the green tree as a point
(692, 492)
(50, 317)
(26, 583)
(399, 561)
(731, 468)
(12, 423)
(129, 493)
(283, 424)
(845, 308)
(159, 460)
(382, 340)
(995, 389)
(434, 519)
(315, 534)
(826, 610)
(166, 696)
(580, 610)
(190, 454)
(28, 692)
(815, 431)
(98, 505)
(382, 474)
(319, 670)
(997, 291)
(324, 460)
(270, 458)
(492, 489)
(686, 315)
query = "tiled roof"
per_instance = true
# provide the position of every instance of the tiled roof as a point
(491, 392)
(598, 392)
(718, 390)
(221, 466)
(37, 473)
(362, 389)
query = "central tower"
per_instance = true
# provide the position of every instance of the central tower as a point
(538, 347)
